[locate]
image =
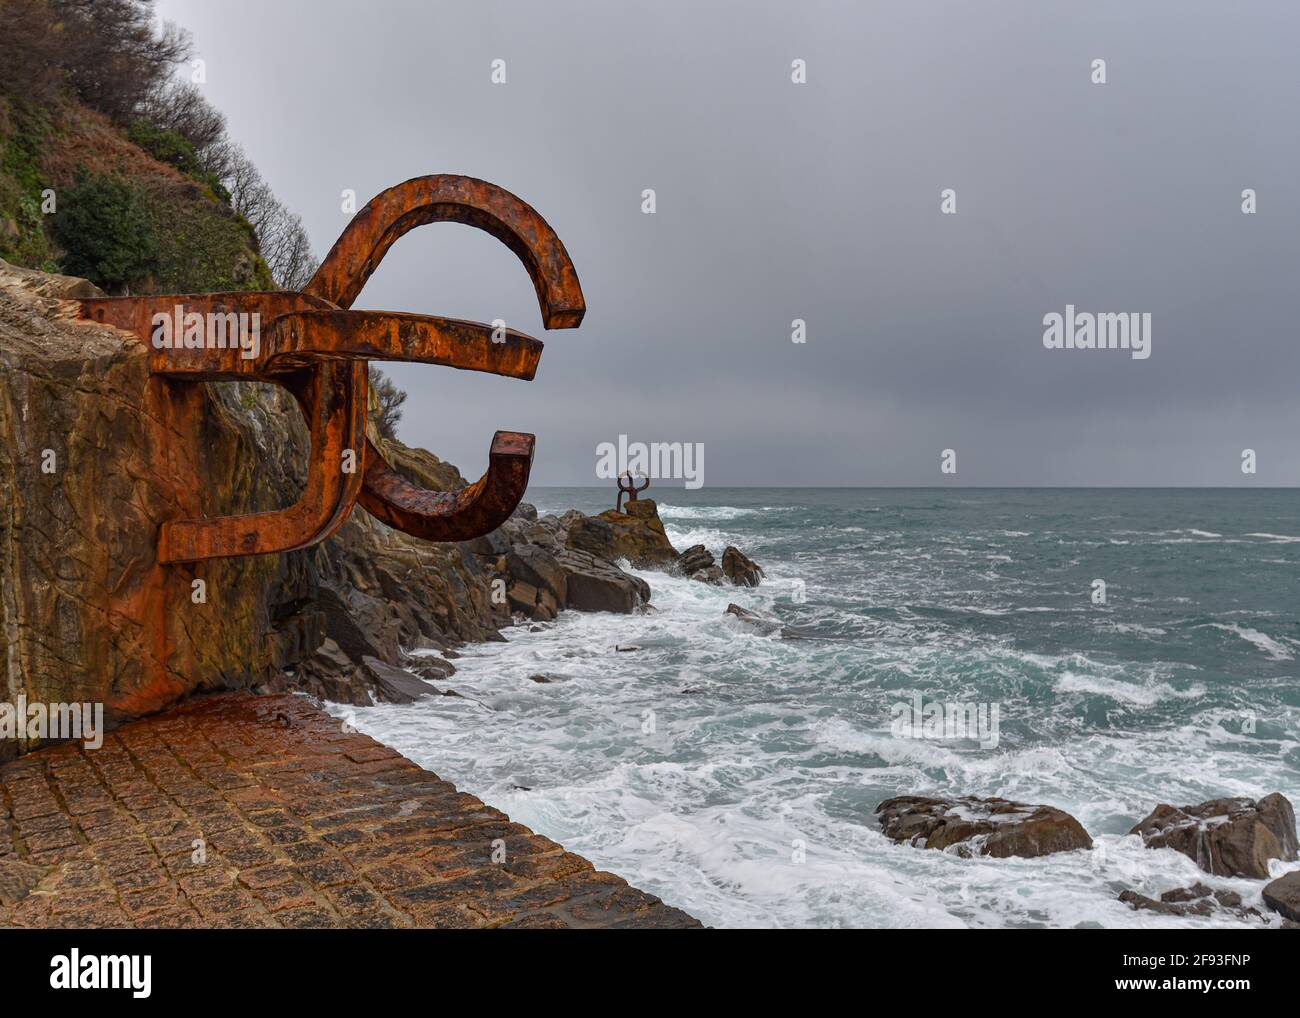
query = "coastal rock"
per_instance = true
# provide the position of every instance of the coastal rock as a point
(592, 584)
(981, 827)
(327, 674)
(1226, 837)
(698, 563)
(394, 685)
(739, 569)
(636, 534)
(1198, 900)
(1283, 895)
(429, 667)
(762, 623)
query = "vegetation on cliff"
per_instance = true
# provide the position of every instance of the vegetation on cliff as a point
(114, 168)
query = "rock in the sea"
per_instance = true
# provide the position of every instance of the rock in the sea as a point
(636, 534)
(762, 623)
(394, 685)
(1283, 895)
(1227, 837)
(981, 827)
(740, 570)
(1197, 900)
(698, 563)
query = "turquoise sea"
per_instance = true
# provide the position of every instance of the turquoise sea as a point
(734, 772)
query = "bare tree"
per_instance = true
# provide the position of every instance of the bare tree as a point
(179, 106)
(111, 54)
(390, 398)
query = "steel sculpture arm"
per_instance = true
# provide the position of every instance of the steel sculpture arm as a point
(317, 348)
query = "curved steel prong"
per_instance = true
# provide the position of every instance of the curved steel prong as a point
(333, 399)
(354, 257)
(451, 515)
(456, 199)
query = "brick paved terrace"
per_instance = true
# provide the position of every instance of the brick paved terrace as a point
(245, 811)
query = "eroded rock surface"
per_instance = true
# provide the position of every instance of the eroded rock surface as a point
(981, 827)
(1227, 837)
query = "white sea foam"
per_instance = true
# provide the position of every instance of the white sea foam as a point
(1263, 641)
(748, 801)
(1126, 692)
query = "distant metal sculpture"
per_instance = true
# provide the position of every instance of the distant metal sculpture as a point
(630, 491)
(318, 349)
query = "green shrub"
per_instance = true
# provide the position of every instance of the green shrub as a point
(174, 149)
(104, 224)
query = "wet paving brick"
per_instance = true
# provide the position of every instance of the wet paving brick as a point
(253, 812)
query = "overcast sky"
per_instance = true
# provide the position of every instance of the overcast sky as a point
(821, 201)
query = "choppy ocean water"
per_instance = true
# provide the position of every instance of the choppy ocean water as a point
(735, 773)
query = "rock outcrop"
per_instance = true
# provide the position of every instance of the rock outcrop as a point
(636, 534)
(1226, 837)
(981, 827)
(1283, 895)
(740, 570)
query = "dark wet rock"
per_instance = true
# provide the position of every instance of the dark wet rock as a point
(394, 685)
(740, 570)
(1283, 895)
(1197, 890)
(1141, 903)
(426, 666)
(698, 563)
(1198, 900)
(1226, 837)
(592, 584)
(538, 585)
(545, 679)
(626, 648)
(981, 827)
(763, 623)
(327, 674)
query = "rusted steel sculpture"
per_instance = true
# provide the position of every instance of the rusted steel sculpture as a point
(318, 349)
(630, 490)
